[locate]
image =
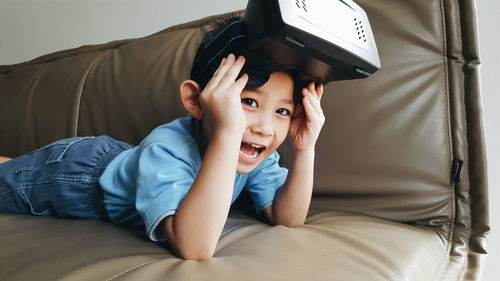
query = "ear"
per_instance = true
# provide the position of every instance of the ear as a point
(190, 98)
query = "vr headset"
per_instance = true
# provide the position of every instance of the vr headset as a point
(317, 40)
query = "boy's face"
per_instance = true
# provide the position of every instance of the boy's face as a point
(268, 111)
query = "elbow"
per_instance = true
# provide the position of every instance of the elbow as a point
(289, 223)
(197, 248)
(195, 254)
(198, 258)
(190, 249)
(287, 219)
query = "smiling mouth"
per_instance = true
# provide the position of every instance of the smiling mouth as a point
(251, 150)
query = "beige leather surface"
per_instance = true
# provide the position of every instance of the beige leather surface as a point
(331, 246)
(384, 157)
(471, 227)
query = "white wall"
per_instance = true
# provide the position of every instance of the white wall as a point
(30, 28)
(488, 12)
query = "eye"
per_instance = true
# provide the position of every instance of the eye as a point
(283, 111)
(249, 102)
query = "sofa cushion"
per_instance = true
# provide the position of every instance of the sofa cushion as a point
(330, 246)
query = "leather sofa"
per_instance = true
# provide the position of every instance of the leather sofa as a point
(400, 178)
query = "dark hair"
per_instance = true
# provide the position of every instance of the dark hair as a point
(218, 27)
(215, 30)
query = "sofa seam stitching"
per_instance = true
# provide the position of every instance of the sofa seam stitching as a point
(81, 86)
(448, 132)
(32, 92)
(447, 104)
(131, 269)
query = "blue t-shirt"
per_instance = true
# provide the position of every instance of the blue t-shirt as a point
(145, 184)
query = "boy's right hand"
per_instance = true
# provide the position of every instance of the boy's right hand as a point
(221, 102)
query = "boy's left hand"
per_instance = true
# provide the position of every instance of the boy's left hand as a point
(307, 119)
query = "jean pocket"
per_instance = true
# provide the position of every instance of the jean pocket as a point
(49, 154)
(59, 148)
(32, 208)
(20, 201)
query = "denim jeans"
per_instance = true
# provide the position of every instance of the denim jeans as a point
(60, 179)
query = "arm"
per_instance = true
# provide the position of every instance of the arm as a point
(198, 223)
(196, 227)
(293, 199)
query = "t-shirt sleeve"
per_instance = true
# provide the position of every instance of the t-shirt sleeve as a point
(264, 182)
(164, 178)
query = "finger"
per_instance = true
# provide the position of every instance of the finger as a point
(222, 62)
(311, 95)
(315, 103)
(219, 73)
(220, 67)
(320, 89)
(308, 108)
(316, 90)
(232, 73)
(311, 87)
(239, 84)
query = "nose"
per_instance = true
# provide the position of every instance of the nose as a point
(263, 126)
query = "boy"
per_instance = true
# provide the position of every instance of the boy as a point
(183, 177)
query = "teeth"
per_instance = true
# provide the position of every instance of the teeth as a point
(256, 146)
(249, 156)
